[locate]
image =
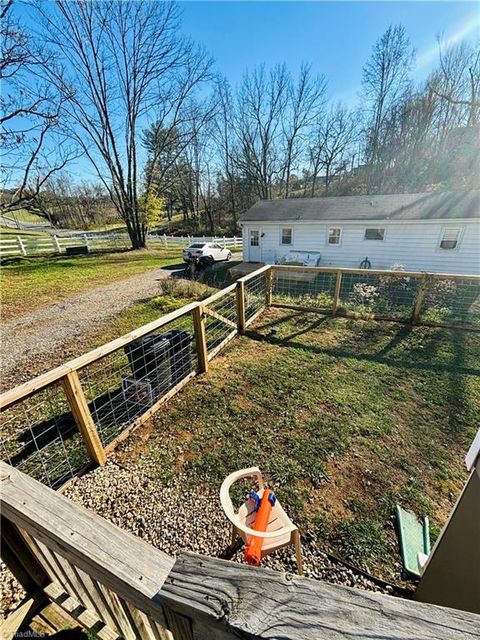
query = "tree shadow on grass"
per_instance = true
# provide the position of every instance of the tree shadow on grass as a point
(457, 383)
(424, 361)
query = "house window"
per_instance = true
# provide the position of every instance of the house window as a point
(374, 233)
(254, 238)
(286, 236)
(334, 235)
(450, 238)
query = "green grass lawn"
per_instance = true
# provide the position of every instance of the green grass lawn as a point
(345, 417)
(7, 233)
(33, 282)
(22, 215)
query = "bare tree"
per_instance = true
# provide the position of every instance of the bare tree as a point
(333, 145)
(32, 147)
(385, 79)
(77, 205)
(261, 104)
(458, 79)
(305, 103)
(126, 63)
(225, 138)
(168, 147)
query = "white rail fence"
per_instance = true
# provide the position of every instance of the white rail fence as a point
(38, 245)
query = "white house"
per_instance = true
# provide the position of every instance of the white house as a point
(435, 231)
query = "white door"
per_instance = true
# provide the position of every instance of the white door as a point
(254, 249)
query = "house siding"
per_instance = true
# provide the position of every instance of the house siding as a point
(414, 245)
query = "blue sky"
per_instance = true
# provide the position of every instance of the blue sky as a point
(336, 37)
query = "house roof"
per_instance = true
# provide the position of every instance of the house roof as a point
(400, 206)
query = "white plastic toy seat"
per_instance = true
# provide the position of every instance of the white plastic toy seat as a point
(280, 530)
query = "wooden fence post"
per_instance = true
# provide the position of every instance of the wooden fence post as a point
(336, 295)
(200, 338)
(165, 240)
(419, 299)
(85, 238)
(21, 246)
(83, 417)
(240, 306)
(269, 287)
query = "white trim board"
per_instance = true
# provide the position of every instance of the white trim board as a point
(473, 452)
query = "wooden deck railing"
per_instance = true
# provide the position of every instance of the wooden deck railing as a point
(116, 584)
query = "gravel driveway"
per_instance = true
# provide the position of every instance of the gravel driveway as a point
(41, 339)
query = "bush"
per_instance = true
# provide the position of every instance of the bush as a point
(394, 289)
(440, 293)
(189, 289)
(364, 294)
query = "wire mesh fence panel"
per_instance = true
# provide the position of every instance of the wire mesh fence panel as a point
(309, 289)
(371, 294)
(125, 384)
(39, 436)
(218, 327)
(451, 302)
(255, 294)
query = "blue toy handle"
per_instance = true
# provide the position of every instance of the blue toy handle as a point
(253, 495)
(272, 498)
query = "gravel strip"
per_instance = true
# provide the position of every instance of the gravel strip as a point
(174, 519)
(37, 341)
(10, 591)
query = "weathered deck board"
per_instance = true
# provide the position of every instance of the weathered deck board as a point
(88, 541)
(248, 602)
(201, 598)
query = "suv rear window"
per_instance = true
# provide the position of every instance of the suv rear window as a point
(197, 245)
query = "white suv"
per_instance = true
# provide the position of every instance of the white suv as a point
(204, 249)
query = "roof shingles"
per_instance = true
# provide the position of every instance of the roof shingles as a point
(403, 206)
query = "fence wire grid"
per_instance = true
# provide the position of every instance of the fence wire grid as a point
(305, 289)
(451, 302)
(392, 295)
(378, 295)
(255, 294)
(39, 436)
(123, 385)
(216, 329)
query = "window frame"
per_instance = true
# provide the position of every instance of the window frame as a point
(365, 239)
(340, 237)
(286, 244)
(252, 231)
(442, 234)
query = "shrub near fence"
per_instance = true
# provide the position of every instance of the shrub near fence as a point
(56, 424)
(428, 298)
